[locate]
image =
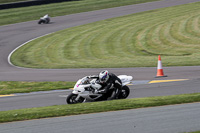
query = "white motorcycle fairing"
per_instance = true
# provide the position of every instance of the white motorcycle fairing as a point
(81, 89)
(125, 79)
(85, 88)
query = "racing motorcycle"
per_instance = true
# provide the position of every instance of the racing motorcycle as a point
(45, 19)
(85, 88)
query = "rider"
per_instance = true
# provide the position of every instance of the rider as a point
(109, 80)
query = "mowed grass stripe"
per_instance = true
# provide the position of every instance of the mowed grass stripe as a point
(165, 31)
(172, 44)
(79, 44)
(165, 37)
(170, 40)
(179, 31)
(113, 44)
(196, 27)
(152, 44)
(130, 41)
(111, 37)
(186, 30)
(192, 27)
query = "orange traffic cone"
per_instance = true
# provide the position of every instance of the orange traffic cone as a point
(160, 72)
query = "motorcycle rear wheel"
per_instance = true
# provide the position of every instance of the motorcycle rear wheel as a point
(124, 92)
(71, 99)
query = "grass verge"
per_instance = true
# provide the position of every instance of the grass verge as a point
(130, 41)
(16, 15)
(11, 87)
(94, 107)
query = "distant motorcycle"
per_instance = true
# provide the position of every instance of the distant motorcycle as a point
(85, 88)
(44, 20)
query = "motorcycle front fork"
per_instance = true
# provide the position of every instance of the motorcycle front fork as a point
(77, 98)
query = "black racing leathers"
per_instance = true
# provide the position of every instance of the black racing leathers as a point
(113, 81)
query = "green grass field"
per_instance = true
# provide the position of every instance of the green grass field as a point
(129, 41)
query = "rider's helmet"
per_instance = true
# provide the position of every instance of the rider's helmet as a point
(103, 76)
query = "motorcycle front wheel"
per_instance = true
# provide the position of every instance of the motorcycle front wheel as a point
(40, 21)
(71, 99)
(124, 92)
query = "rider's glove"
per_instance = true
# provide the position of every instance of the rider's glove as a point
(95, 91)
(101, 91)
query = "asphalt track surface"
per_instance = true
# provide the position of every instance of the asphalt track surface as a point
(164, 119)
(59, 97)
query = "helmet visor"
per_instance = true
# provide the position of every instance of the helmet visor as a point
(104, 77)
